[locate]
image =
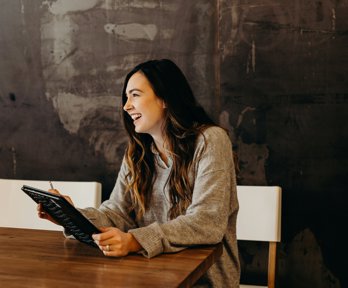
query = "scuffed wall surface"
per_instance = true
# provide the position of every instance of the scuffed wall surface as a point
(272, 72)
(62, 67)
(84, 75)
(285, 100)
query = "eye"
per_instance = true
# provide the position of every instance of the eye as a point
(135, 95)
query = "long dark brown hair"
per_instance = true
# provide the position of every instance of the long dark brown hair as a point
(185, 120)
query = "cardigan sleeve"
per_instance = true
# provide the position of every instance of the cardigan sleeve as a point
(115, 210)
(214, 202)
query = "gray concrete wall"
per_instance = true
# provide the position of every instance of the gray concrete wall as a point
(272, 72)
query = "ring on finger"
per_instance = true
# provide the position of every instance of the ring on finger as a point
(108, 247)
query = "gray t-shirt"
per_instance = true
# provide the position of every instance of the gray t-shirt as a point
(210, 218)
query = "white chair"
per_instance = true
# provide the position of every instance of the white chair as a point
(18, 210)
(259, 219)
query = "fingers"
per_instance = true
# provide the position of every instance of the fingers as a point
(112, 250)
(40, 212)
(106, 248)
(43, 214)
(107, 233)
(54, 191)
(111, 242)
(68, 199)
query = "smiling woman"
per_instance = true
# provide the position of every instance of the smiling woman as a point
(144, 107)
(177, 186)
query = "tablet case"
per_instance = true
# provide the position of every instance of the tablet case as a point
(65, 214)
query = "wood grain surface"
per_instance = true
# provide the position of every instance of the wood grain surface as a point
(40, 258)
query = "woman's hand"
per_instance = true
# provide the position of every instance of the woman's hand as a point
(43, 214)
(114, 242)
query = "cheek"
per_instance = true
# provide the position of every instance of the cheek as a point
(156, 109)
(160, 112)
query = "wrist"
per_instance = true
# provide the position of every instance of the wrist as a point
(134, 245)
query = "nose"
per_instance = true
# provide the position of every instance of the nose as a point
(128, 105)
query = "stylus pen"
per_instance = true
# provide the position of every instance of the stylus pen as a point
(51, 184)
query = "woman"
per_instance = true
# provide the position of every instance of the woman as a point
(176, 187)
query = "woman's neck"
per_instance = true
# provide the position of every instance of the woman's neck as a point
(162, 149)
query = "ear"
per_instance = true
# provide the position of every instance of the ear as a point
(164, 105)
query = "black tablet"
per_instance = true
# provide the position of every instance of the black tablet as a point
(64, 213)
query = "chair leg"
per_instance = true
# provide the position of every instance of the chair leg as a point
(272, 253)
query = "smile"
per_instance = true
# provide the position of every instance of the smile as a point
(135, 116)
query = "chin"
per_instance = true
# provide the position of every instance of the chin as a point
(138, 130)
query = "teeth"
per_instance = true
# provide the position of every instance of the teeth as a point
(135, 116)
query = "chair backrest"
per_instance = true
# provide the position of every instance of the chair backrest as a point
(259, 219)
(18, 210)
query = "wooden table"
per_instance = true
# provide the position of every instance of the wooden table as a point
(40, 258)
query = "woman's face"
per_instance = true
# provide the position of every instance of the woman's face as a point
(144, 107)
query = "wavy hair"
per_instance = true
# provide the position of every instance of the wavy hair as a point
(185, 119)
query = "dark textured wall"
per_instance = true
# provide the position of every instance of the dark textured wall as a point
(272, 72)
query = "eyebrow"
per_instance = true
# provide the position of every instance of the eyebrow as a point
(132, 90)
